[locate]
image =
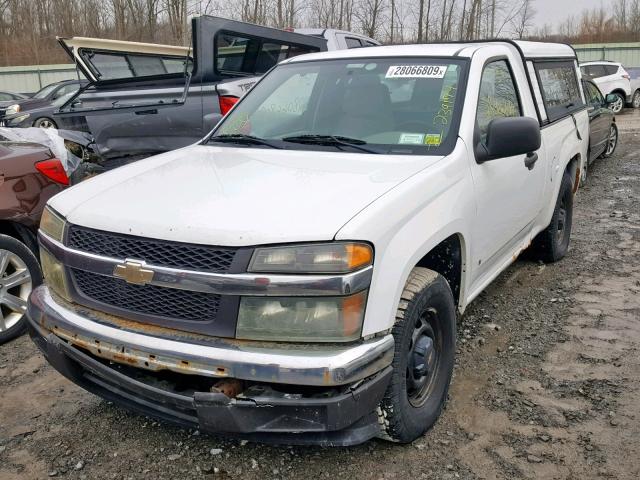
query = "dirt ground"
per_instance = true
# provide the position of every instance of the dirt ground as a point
(546, 384)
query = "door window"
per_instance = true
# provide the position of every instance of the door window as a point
(498, 96)
(594, 71)
(559, 85)
(353, 42)
(238, 54)
(611, 69)
(5, 96)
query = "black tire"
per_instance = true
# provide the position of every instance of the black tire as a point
(618, 105)
(19, 249)
(552, 243)
(45, 122)
(612, 141)
(413, 401)
(635, 101)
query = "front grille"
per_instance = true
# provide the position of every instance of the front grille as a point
(155, 252)
(147, 299)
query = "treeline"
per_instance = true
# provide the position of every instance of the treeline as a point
(28, 27)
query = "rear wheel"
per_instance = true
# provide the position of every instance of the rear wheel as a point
(425, 341)
(636, 99)
(19, 275)
(612, 141)
(618, 105)
(45, 122)
(552, 243)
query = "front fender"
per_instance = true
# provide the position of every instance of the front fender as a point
(406, 223)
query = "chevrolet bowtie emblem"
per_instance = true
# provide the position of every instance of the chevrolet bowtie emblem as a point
(133, 272)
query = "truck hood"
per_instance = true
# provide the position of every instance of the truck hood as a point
(236, 196)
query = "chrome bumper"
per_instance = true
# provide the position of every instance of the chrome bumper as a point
(129, 343)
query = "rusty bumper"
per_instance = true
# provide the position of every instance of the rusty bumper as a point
(345, 414)
(156, 348)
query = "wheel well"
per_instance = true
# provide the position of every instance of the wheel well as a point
(446, 259)
(20, 232)
(621, 92)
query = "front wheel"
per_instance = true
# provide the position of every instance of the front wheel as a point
(618, 105)
(612, 141)
(636, 99)
(19, 275)
(45, 122)
(552, 243)
(425, 342)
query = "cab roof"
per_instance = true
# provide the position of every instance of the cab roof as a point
(463, 50)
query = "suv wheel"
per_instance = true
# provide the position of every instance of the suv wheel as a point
(425, 342)
(19, 274)
(618, 105)
(636, 99)
(552, 243)
(612, 141)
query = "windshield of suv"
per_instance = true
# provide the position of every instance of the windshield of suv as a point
(376, 105)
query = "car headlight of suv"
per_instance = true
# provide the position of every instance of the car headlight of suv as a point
(12, 109)
(301, 319)
(53, 225)
(337, 257)
(306, 319)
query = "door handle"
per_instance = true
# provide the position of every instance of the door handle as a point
(530, 160)
(147, 112)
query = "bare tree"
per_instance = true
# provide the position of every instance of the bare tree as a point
(524, 19)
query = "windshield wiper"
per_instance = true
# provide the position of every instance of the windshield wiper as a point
(242, 139)
(336, 140)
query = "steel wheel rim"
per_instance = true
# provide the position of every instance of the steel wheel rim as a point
(15, 287)
(562, 222)
(613, 140)
(617, 105)
(636, 100)
(423, 358)
(46, 123)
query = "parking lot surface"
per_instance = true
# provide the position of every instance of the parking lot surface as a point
(546, 382)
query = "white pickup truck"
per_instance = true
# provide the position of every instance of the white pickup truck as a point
(296, 276)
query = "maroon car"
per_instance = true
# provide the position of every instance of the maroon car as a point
(29, 176)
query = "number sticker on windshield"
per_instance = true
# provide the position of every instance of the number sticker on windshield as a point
(416, 71)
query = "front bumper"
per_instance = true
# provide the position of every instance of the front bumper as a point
(110, 360)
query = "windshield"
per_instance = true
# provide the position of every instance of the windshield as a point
(42, 93)
(393, 105)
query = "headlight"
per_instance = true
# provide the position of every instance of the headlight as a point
(337, 257)
(12, 110)
(308, 319)
(53, 273)
(52, 224)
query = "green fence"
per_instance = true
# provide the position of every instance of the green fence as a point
(628, 54)
(30, 79)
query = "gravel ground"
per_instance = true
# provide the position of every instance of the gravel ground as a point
(545, 386)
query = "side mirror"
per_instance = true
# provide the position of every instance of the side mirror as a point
(610, 98)
(508, 137)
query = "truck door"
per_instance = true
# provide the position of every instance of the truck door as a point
(147, 98)
(508, 192)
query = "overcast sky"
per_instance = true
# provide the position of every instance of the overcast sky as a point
(555, 11)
